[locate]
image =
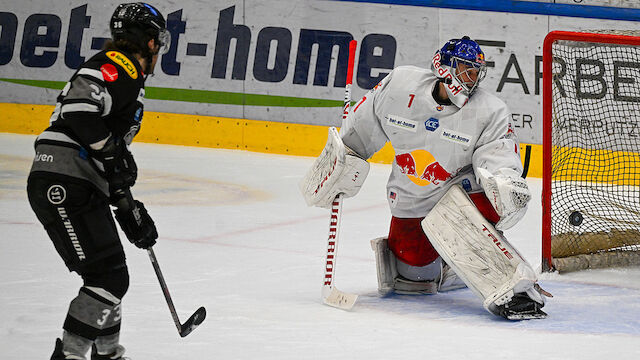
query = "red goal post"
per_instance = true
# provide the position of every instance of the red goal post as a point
(591, 150)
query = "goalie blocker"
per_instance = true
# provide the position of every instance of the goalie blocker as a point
(338, 170)
(483, 258)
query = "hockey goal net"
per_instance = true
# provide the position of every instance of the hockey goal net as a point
(591, 150)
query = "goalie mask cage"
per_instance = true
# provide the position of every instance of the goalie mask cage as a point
(591, 150)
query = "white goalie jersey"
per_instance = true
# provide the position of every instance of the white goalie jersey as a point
(436, 146)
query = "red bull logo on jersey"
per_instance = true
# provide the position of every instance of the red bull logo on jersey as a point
(422, 168)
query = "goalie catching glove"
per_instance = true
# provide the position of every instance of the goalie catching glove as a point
(337, 170)
(508, 193)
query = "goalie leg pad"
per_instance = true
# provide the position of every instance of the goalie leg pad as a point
(385, 265)
(518, 299)
(478, 253)
(396, 276)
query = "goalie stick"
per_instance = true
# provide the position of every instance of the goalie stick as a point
(194, 320)
(330, 294)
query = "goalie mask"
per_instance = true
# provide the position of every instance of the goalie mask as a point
(461, 66)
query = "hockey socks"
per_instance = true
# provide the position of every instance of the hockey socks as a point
(93, 316)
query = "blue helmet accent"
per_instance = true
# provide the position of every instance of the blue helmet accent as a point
(465, 50)
(138, 23)
(151, 8)
(461, 65)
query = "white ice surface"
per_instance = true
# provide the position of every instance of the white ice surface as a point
(237, 238)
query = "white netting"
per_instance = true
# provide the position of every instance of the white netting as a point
(595, 201)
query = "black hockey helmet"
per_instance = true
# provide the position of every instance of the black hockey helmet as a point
(138, 23)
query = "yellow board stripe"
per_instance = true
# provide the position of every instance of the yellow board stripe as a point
(217, 132)
(600, 166)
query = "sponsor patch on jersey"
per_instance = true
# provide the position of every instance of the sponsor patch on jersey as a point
(432, 124)
(456, 137)
(124, 62)
(43, 157)
(109, 72)
(439, 107)
(466, 185)
(402, 123)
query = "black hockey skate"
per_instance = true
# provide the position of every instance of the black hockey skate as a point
(520, 307)
(117, 355)
(57, 352)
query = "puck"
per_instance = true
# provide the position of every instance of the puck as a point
(575, 218)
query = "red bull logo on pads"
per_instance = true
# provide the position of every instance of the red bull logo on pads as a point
(422, 168)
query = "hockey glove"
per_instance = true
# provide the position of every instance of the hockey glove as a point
(508, 193)
(337, 170)
(120, 169)
(136, 223)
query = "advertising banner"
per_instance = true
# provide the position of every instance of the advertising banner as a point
(282, 61)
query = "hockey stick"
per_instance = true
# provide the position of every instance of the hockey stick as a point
(126, 203)
(330, 294)
(194, 320)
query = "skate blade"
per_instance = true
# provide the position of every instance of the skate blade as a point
(527, 316)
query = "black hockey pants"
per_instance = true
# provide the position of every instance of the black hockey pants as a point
(78, 220)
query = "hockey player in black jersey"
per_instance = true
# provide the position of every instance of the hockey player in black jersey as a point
(83, 166)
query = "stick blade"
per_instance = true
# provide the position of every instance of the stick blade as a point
(196, 319)
(333, 297)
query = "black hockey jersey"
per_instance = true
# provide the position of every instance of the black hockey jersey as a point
(103, 98)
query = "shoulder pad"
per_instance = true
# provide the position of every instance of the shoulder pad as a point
(124, 62)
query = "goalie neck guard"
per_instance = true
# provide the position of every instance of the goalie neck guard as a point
(461, 66)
